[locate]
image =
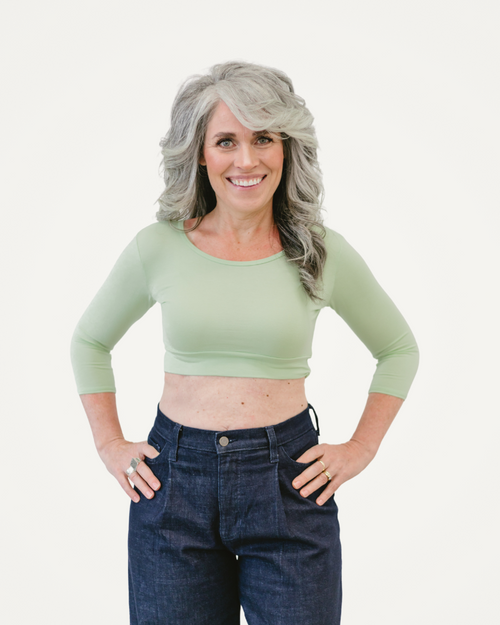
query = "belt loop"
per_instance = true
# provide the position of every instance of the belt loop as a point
(273, 444)
(174, 445)
(317, 421)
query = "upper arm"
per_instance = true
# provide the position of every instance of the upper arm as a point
(363, 304)
(120, 302)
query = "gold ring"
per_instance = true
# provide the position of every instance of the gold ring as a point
(324, 465)
(327, 474)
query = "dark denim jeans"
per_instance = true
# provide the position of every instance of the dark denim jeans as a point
(227, 528)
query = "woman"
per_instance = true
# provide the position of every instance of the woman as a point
(233, 496)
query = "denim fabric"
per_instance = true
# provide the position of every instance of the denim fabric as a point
(227, 528)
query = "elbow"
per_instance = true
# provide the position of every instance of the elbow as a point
(397, 368)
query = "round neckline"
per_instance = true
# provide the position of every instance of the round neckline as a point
(223, 261)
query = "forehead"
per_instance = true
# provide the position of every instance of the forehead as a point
(224, 120)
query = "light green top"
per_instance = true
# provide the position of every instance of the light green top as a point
(237, 318)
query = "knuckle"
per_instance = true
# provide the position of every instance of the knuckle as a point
(147, 475)
(334, 485)
(122, 478)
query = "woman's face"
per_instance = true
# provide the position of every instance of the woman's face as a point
(244, 167)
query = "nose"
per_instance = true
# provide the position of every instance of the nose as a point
(246, 157)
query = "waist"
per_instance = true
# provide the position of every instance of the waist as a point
(222, 403)
(236, 439)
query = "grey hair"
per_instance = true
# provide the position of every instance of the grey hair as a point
(261, 98)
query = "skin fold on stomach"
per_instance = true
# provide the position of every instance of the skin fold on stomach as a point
(224, 403)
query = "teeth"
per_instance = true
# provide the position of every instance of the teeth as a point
(246, 183)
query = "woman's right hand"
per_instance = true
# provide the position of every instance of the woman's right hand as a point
(117, 455)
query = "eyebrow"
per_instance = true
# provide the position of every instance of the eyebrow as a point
(232, 135)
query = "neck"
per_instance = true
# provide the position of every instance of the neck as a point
(242, 227)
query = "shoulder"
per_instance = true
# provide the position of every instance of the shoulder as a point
(158, 239)
(160, 235)
(334, 244)
(343, 262)
(333, 239)
(341, 255)
(159, 231)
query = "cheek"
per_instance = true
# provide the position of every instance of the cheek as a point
(215, 165)
(215, 171)
(278, 166)
(278, 159)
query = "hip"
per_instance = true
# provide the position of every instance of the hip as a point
(235, 482)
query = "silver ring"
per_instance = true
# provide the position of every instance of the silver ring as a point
(133, 466)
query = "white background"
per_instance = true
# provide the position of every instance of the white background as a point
(406, 101)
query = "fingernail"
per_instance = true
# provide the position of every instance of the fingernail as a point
(136, 500)
(296, 484)
(304, 493)
(320, 502)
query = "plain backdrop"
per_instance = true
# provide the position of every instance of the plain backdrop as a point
(406, 100)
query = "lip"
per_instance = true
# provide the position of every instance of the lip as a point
(231, 178)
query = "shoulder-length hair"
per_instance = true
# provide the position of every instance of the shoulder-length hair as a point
(261, 98)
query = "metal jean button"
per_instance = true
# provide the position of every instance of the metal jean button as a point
(223, 440)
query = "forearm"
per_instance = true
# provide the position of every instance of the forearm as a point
(114, 450)
(103, 418)
(380, 411)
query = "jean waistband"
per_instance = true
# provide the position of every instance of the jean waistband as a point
(235, 440)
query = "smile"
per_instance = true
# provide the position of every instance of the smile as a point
(252, 182)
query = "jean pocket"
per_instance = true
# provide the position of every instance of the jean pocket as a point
(293, 449)
(156, 440)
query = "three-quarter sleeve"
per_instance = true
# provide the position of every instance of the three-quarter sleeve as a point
(120, 302)
(360, 300)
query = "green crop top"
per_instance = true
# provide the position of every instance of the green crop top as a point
(237, 318)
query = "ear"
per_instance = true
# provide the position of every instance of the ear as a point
(202, 161)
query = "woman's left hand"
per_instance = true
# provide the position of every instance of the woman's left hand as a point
(342, 462)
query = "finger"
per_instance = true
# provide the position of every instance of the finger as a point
(326, 494)
(148, 476)
(312, 453)
(308, 474)
(331, 488)
(139, 483)
(149, 451)
(125, 484)
(320, 480)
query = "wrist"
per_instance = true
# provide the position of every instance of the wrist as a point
(364, 450)
(104, 446)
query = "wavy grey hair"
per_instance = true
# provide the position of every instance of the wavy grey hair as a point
(261, 98)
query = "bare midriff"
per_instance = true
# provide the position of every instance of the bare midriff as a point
(224, 403)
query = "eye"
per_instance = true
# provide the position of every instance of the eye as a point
(224, 143)
(263, 140)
